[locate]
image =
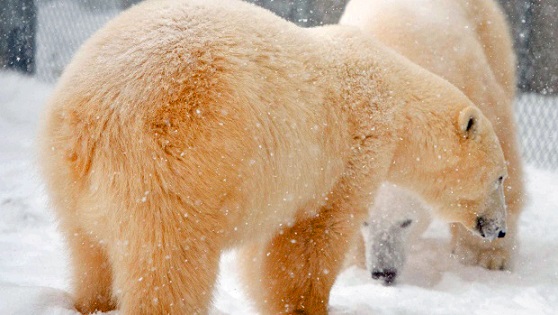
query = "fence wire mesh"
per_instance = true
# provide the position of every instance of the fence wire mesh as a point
(63, 25)
(537, 118)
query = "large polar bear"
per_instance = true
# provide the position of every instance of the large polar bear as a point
(184, 128)
(468, 43)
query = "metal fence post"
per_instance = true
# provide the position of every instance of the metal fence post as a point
(18, 21)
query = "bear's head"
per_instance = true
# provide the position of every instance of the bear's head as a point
(447, 151)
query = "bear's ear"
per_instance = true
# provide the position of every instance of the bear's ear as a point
(469, 122)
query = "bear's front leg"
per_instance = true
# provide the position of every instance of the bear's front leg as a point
(294, 272)
(497, 254)
(471, 249)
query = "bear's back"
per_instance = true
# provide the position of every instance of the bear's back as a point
(170, 87)
(465, 42)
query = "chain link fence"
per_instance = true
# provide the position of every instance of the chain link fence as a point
(537, 118)
(63, 25)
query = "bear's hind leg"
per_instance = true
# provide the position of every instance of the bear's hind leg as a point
(92, 275)
(165, 262)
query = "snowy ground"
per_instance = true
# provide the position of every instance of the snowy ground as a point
(34, 268)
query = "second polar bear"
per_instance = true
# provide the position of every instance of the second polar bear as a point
(468, 43)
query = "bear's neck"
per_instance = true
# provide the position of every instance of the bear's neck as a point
(378, 97)
(370, 100)
(381, 96)
(403, 99)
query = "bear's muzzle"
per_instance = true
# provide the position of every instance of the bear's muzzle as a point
(490, 228)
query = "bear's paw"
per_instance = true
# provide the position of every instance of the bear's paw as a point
(486, 255)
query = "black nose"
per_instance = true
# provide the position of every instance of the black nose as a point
(387, 275)
(501, 234)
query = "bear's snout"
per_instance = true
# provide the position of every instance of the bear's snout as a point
(388, 275)
(490, 228)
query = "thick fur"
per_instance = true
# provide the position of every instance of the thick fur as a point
(184, 128)
(468, 43)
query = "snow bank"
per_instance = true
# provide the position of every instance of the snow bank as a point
(35, 301)
(34, 267)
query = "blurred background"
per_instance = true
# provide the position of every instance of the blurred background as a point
(39, 37)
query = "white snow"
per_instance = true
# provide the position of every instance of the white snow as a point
(34, 268)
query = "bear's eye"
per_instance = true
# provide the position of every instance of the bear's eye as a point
(470, 124)
(499, 181)
(365, 224)
(406, 223)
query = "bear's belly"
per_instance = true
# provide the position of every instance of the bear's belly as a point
(274, 201)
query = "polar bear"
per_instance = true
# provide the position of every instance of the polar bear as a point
(185, 128)
(397, 217)
(468, 43)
